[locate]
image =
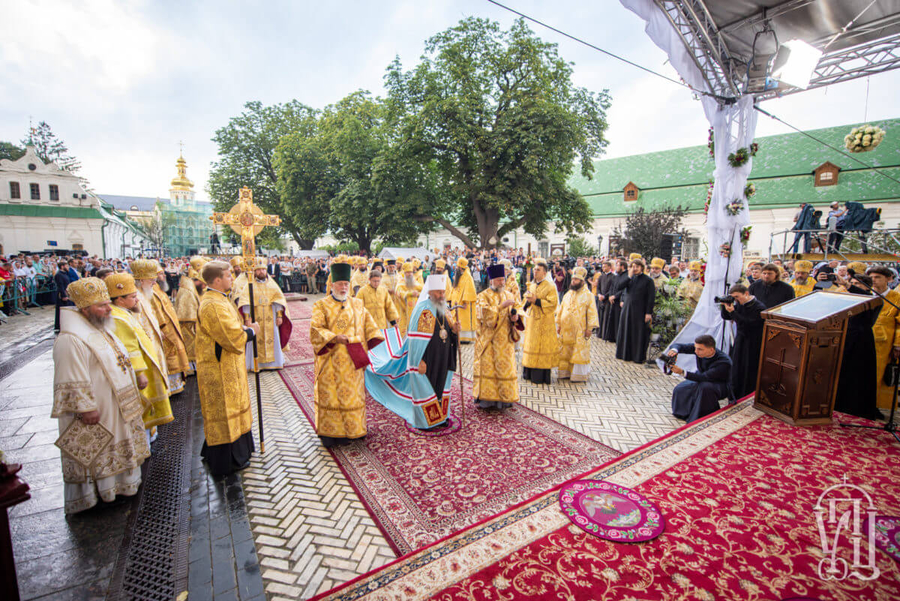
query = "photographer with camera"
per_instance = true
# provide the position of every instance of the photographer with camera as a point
(699, 394)
(744, 310)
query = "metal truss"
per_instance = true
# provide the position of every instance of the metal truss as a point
(724, 72)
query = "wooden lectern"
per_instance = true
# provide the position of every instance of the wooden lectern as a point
(800, 361)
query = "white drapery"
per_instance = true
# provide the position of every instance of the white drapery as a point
(735, 127)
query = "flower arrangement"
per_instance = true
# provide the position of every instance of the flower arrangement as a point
(739, 157)
(725, 250)
(734, 207)
(749, 190)
(864, 138)
(709, 193)
(711, 143)
(754, 148)
(745, 234)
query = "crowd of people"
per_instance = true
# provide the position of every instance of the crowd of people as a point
(132, 331)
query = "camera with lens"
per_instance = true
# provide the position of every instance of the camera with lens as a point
(830, 277)
(512, 311)
(668, 362)
(725, 300)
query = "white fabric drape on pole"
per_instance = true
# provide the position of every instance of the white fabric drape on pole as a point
(735, 127)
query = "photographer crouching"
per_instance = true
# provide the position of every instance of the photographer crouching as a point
(744, 310)
(699, 394)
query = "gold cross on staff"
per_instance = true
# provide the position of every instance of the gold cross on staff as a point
(248, 220)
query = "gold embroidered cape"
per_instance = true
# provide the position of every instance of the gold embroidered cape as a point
(494, 374)
(170, 328)
(576, 315)
(379, 304)
(265, 296)
(540, 348)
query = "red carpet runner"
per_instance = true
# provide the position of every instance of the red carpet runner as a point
(419, 488)
(738, 491)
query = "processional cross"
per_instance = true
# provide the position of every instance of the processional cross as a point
(248, 220)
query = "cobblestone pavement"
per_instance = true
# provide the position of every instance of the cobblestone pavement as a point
(313, 533)
(20, 327)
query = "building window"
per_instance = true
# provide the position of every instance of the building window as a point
(14, 190)
(54, 192)
(35, 192)
(78, 247)
(826, 174)
(631, 191)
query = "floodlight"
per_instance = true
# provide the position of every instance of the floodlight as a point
(795, 63)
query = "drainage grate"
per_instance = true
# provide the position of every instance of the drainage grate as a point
(152, 564)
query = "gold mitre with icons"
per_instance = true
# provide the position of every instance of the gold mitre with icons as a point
(87, 292)
(144, 269)
(197, 262)
(120, 284)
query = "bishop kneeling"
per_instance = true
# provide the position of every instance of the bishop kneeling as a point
(222, 374)
(270, 310)
(341, 332)
(97, 403)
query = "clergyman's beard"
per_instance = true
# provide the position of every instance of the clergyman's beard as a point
(410, 281)
(103, 323)
(340, 296)
(147, 293)
(496, 288)
(163, 285)
(575, 286)
(440, 307)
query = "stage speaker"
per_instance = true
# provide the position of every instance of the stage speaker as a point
(665, 247)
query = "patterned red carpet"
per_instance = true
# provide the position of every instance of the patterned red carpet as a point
(300, 350)
(738, 492)
(419, 489)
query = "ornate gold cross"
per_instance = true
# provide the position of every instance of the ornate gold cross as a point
(248, 220)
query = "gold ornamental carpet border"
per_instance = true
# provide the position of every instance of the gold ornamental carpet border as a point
(424, 573)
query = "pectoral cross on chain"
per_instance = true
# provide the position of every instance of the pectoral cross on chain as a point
(248, 220)
(124, 362)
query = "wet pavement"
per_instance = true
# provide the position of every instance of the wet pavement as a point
(90, 554)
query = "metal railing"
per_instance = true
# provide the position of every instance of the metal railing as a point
(836, 243)
(18, 294)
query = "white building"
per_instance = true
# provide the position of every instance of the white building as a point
(44, 208)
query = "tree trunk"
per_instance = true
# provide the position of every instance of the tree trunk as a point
(488, 221)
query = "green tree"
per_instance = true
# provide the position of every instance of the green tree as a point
(579, 247)
(51, 148)
(157, 225)
(247, 158)
(498, 115)
(10, 151)
(644, 229)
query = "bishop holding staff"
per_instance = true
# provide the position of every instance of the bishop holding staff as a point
(270, 309)
(378, 301)
(499, 324)
(97, 403)
(576, 320)
(541, 345)
(222, 374)
(341, 332)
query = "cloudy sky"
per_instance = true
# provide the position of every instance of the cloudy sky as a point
(122, 82)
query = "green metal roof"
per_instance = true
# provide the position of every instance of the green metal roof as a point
(782, 171)
(45, 211)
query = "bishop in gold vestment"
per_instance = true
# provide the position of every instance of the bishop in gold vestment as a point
(576, 320)
(222, 375)
(540, 344)
(802, 283)
(146, 360)
(691, 287)
(887, 333)
(495, 380)
(187, 308)
(378, 301)
(408, 291)
(270, 310)
(172, 338)
(464, 294)
(341, 332)
(95, 390)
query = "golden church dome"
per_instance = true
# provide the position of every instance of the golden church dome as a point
(181, 181)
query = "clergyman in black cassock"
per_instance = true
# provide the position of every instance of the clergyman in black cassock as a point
(745, 313)
(440, 355)
(638, 297)
(699, 394)
(611, 318)
(857, 391)
(604, 283)
(770, 290)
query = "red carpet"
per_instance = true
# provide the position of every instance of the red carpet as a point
(300, 349)
(737, 490)
(300, 309)
(419, 489)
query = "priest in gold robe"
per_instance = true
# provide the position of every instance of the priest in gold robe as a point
(146, 359)
(187, 308)
(576, 320)
(378, 301)
(512, 284)
(499, 323)
(887, 332)
(802, 283)
(240, 278)
(358, 278)
(222, 374)
(440, 268)
(144, 271)
(540, 352)
(408, 291)
(95, 393)
(172, 338)
(271, 312)
(691, 287)
(341, 332)
(463, 295)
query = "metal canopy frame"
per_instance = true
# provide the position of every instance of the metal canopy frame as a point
(724, 70)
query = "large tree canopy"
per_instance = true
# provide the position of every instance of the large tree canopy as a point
(10, 151)
(495, 112)
(50, 148)
(247, 158)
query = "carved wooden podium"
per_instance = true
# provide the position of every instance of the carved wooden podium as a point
(800, 361)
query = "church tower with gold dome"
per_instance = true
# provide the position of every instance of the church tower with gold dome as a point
(182, 191)
(191, 226)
